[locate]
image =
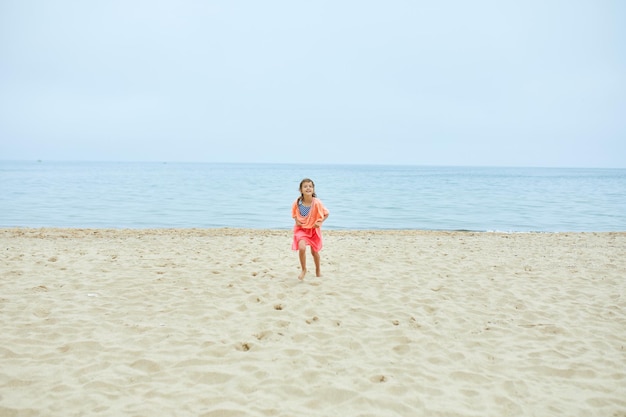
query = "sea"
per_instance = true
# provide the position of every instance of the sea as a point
(139, 195)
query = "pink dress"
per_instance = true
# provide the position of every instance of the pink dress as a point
(307, 232)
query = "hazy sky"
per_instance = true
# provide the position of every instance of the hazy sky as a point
(520, 83)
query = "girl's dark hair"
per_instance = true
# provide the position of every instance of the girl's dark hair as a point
(300, 188)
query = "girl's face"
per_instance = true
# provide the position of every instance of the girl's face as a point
(307, 188)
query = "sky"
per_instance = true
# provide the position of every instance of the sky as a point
(471, 83)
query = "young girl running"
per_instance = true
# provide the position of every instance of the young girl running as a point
(309, 213)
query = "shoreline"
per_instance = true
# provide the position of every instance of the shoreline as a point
(215, 322)
(236, 230)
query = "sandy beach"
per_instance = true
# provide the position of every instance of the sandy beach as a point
(214, 322)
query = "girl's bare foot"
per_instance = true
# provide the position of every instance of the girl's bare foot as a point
(318, 272)
(302, 274)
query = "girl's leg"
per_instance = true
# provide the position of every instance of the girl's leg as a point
(316, 258)
(302, 256)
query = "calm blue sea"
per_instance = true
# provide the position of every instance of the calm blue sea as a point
(185, 195)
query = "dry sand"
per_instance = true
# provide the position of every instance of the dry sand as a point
(403, 323)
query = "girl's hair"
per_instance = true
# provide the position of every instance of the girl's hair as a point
(300, 188)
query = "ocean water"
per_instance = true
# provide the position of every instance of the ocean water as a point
(259, 196)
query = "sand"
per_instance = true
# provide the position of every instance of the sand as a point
(402, 323)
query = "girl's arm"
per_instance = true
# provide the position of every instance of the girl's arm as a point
(320, 206)
(294, 213)
(320, 221)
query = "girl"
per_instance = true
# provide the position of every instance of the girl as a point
(309, 213)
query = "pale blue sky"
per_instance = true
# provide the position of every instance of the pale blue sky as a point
(507, 83)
